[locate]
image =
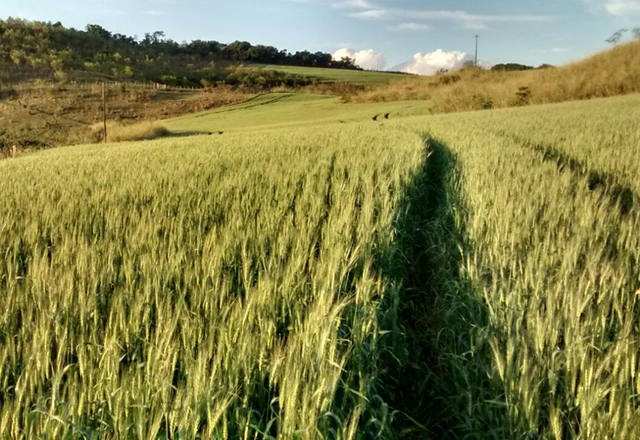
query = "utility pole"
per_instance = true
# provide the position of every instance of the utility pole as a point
(104, 112)
(475, 63)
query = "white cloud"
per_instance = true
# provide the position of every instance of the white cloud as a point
(622, 7)
(356, 3)
(362, 4)
(410, 27)
(461, 17)
(371, 14)
(618, 8)
(368, 59)
(433, 62)
(383, 10)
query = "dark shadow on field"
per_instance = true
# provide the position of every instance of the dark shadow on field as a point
(618, 194)
(172, 134)
(437, 379)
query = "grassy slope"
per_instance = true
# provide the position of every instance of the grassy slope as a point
(343, 75)
(46, 116)
(609, 73)
(287, 110)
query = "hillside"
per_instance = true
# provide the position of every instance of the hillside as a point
(42, 115)
(610, 73)
(50, 115)
(49, 50)
(50, 75)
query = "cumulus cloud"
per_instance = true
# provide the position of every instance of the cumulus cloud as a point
(368, 59)
(433, 62)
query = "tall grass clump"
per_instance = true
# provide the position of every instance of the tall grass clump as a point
(117, 132)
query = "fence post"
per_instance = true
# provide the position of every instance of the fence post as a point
(104, 112)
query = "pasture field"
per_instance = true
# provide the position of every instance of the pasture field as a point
(291, 110)
(314, 272)
(363, 77)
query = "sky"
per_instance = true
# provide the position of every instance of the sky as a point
(420, 36)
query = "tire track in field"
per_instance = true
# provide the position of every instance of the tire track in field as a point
(438, 314)
(318, 236)
(619, 194)
(242, 106)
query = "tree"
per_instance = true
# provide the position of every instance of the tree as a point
(509, 67)
(237, 51)
(617, 35)
(154, 38)
(98, 31)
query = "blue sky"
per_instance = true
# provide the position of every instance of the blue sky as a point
(531, 32)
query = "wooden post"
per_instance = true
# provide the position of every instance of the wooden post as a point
(104, 112)
(475, 63)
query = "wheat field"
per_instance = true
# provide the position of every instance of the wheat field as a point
(456, 276)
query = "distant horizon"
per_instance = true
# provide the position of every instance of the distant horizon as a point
(381, 35)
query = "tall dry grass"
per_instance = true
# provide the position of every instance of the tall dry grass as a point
(614, 72)
(117, 132)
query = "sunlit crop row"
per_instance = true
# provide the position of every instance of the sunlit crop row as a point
(211, 287)
(553, 264)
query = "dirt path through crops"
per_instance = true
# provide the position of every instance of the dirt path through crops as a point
(437, 309)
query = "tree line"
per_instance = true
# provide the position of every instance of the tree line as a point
(44, 47)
